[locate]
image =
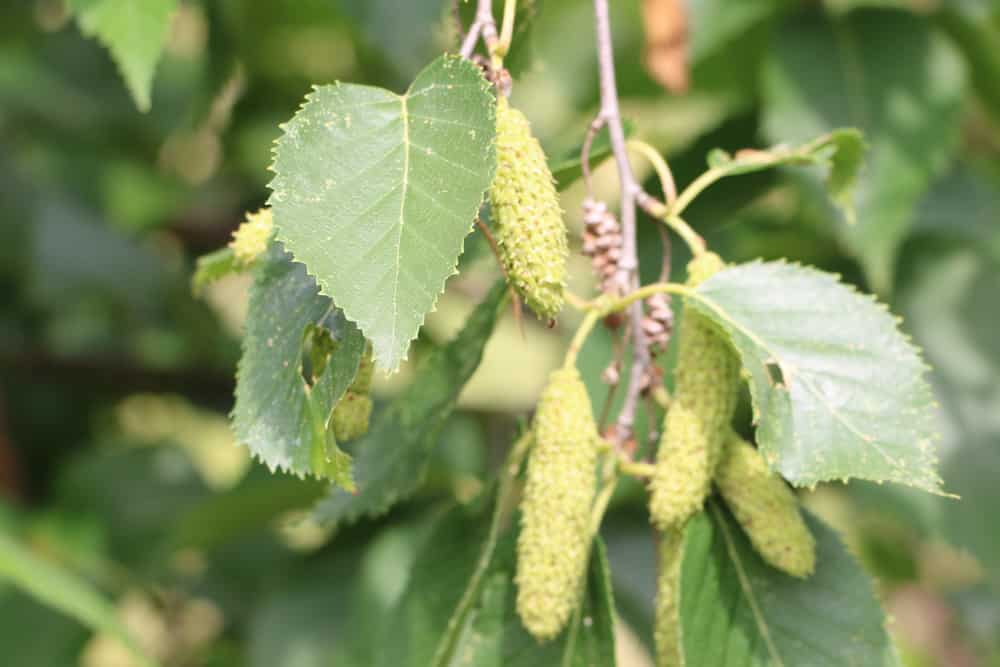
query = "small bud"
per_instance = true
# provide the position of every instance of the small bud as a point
(611, 375)
(530, 232)
(350, 417)
(667, 628)
(766, 508)
(251, 237)
(554, 543)
(353, 411)
(706, 380)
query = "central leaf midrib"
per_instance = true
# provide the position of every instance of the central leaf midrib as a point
(751, 598)
(405, 115)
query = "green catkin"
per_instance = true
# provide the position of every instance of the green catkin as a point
(697, 422)
(251, 237)
(667, 629)
(554, 543)
(766, 508)
(530, 232)
(350, 417)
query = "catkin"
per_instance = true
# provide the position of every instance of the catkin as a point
(554, 543)
(697, 422)
(530, 232)
(350, 417)
(667, 629)
(766, 508)
(251, 237)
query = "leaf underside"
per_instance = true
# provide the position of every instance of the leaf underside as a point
(376, 192)
(736, 611)
(838, 392)
(278, 415)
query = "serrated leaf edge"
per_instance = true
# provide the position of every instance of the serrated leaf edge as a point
(907, 340)
(309, 98)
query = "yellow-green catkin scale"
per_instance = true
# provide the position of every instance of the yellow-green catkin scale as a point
(554, 543)
(701, 408)
(766, 508)
(251, 237)
(350, 417)
(530, 231)
(667, 629)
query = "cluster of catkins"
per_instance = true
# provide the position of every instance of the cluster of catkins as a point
(697, 449)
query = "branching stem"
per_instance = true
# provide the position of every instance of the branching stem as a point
(628, 275)
(659, 165)
(507, 27)
(580, 337)
(485, 26)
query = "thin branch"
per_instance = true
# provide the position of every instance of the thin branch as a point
(660, 166)
(592, 130)
(628, 275)
(507, 27)
(485, 26)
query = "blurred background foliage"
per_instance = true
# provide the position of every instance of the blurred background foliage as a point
(117, 466)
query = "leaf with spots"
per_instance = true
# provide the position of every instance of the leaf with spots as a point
(282, 417)
(838, 391)
(376, 192)
(736, 611)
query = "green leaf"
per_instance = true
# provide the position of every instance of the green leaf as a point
(841, 151)
(888, 74)
(490, 632)
(392, 456)
(376, 192)
(211, 267)
(736, 610)
(569, 168)
(838, 391)
(134, 31)
(278, 415)
(64, 591)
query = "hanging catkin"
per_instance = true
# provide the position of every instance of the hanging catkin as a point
(554, 543)
(529, 227)
(766, 508)
(697, 422)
